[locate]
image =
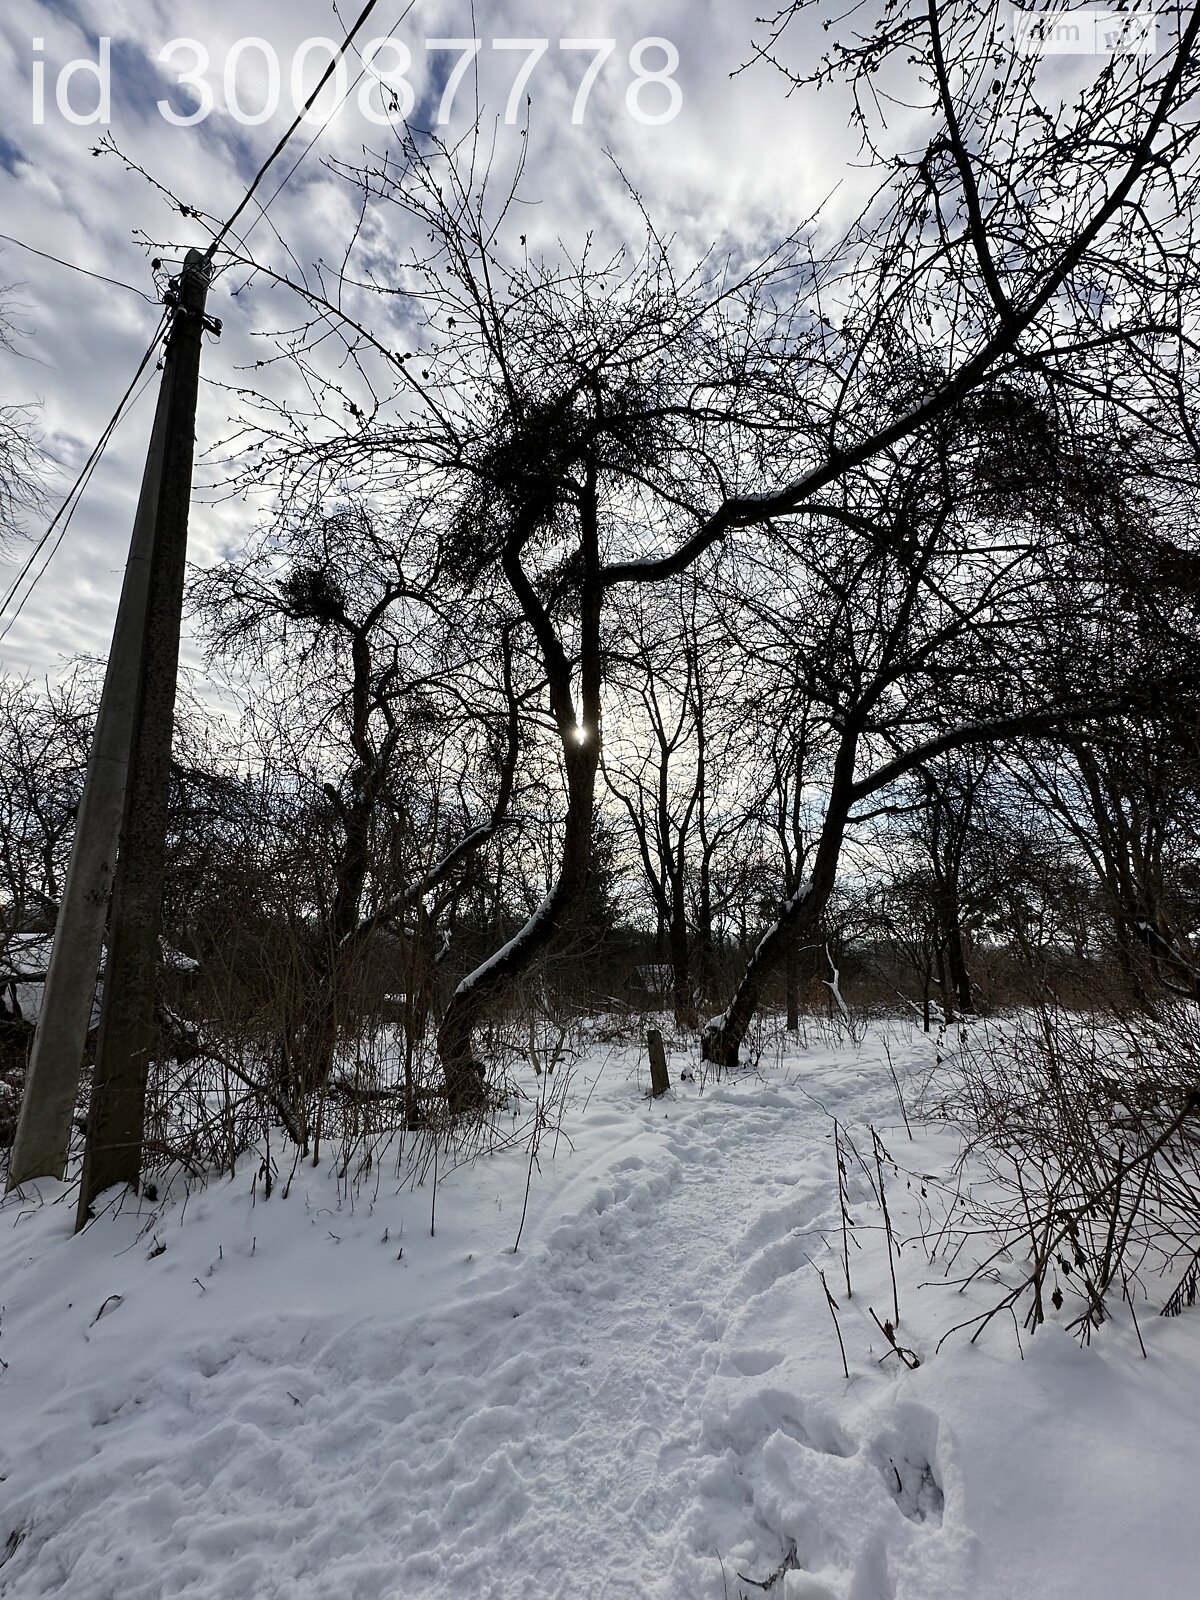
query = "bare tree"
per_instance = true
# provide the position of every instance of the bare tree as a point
(932, 623)
(43, 753)
(22, 472)
(658, 766)
(364, 662)
(951, 789)
(602, 422)
(1125, 793)
(562, 425)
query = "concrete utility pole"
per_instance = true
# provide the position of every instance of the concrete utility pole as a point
(116, 1118)
(52, 1079)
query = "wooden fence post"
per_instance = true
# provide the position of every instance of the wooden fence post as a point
(660, 1078)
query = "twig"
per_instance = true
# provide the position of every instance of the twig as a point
(833, 1312)
(841, 1182)
(887, 1225)
(896, 1085)
(910, 1358)
(113, 1300)
(790, 1563)
(534, 1141)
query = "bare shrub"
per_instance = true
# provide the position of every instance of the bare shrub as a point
(1088, 1127)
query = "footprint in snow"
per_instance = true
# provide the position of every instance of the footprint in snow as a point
(906, 1455)
(750, 1363)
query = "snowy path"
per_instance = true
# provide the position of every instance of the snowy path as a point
(646, 1402)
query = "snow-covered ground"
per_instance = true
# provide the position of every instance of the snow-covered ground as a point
(312, 1396)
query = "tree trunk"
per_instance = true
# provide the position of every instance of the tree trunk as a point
(465, 1075)
(660, 1078)
(681, 978)
(471, 1001)
(793, 988)
(706, 949)
(326, 1012)
(944, 985)
(959, 974)
(722, 1038)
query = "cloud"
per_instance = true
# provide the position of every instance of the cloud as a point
(739, 166)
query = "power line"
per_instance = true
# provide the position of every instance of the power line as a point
(264, 207)
(295, 123)
(75, 494)
(68, 507)
(75, 267)
(291, 172)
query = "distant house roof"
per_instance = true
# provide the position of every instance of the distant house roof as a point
(25, 957)
(22, 953)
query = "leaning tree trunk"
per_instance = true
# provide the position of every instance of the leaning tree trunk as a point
(581, 745)
(475, 995)
(722, 1038)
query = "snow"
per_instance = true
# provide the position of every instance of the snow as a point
(229, 1396)
(833, 984)
(543, 912)
(801, 892)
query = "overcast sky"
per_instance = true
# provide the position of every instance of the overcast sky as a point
(739, 162)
